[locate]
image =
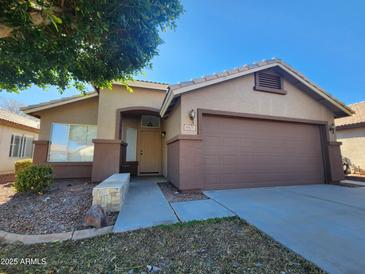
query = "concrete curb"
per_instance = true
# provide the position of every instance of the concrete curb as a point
(10, 238)
(90, 233)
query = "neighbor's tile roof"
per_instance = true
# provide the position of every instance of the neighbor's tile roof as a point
(358, 117)
(18, 119)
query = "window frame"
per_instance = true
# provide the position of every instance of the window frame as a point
(25, 146)
(68, 140)
(159, 121)
(22, 146)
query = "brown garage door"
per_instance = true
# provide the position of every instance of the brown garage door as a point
(250, 152)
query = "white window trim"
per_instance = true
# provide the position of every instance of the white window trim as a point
(22, 146)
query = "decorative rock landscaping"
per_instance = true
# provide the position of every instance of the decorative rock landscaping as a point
(95, 217)
(61, 209)
(58, 215)
(172, 194)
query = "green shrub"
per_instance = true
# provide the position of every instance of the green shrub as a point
(34, 178)
(21, 164)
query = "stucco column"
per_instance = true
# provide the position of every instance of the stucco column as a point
(335, 159)
(185, 162)
(40, 154)
(106, 158)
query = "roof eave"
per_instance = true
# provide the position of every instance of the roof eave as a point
(40, 107)
(346, 111)
(19, 125)
(141, 84)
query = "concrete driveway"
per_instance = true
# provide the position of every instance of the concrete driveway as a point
(323, 223)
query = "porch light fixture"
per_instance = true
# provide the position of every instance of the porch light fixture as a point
(192, 115)
(163, 133)
(332, 128)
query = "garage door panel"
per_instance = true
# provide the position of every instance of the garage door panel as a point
(261, 179)
(232, 164)
(271, 172)
(252, 152)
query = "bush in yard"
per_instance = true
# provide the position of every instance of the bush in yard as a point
(21, 164)
(34, 178)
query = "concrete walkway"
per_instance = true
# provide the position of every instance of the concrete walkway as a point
(323, 223)
(200, 210)
(145, 206)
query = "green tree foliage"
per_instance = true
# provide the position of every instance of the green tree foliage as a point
(73, 42)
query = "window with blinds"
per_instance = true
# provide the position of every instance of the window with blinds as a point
(21, 146)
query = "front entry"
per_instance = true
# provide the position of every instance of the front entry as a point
(150, 152)
(141, 150)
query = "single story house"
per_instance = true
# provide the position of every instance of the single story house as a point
(17, 134)
(351, 132)
(258, 125)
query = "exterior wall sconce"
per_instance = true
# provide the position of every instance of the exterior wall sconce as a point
(192, 115)
(332, 128)
(163, 133)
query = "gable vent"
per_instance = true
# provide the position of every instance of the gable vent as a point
(268, 82)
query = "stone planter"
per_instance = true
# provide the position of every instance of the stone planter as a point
(110, 194)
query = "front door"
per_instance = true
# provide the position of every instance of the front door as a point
(150, 152)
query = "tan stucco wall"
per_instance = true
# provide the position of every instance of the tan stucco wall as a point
(238, 95)
(118, 97)
(6, 162)
(353, 145)
(81, 112)
(171, 125)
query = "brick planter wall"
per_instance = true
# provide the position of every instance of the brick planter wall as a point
(6, 178)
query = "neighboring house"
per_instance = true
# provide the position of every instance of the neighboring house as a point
(257, 125)
(17, 134)
(351, 132)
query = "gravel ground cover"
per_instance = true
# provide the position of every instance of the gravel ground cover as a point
(60, 209)
(172, 194)
(215, 246)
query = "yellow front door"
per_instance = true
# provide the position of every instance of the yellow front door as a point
(150, 152)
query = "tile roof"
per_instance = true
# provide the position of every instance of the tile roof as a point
(358, 117)
(151, 82)
(30, 108)
(18, 119)
(222, 74)
(56, 101)
(247, 68)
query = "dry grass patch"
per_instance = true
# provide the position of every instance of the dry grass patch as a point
(215, 246)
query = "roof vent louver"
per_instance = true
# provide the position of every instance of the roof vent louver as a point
(269, 82)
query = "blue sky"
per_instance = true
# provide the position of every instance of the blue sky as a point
(324, 40)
